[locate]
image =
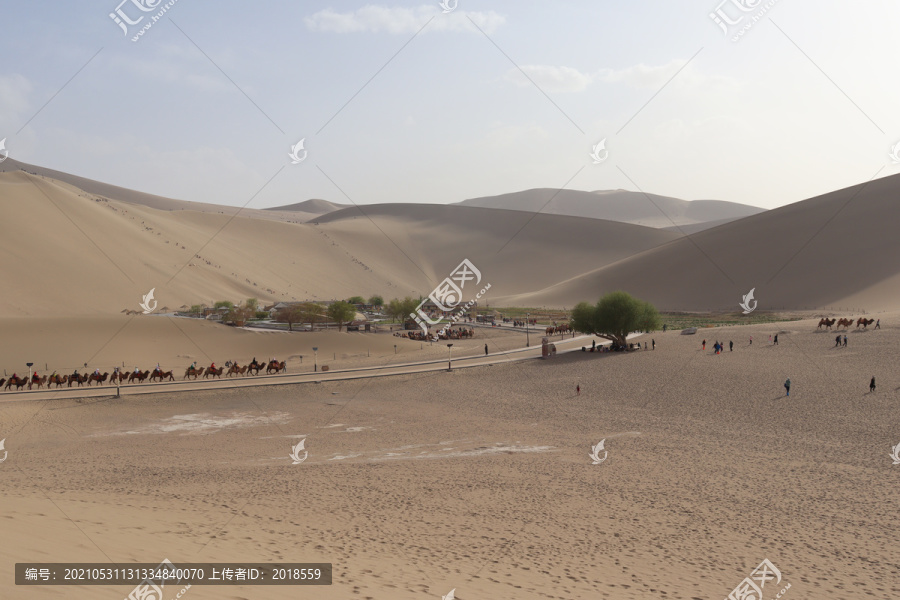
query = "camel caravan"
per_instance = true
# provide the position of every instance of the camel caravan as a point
(17, 383)
(564, 328)
(844, 323)
(452, 334)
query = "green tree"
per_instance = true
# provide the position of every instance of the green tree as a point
(356, 300)
(399, 310)
(289, 315)
(196, 309)
(615, 316)
(376, 301)
(224, 304)
(311, 313)
(341, 312)
(252, 305)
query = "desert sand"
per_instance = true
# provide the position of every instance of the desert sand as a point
(480, 479)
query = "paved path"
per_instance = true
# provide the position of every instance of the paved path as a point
(386, 370)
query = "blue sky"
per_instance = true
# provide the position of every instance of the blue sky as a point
(207, 104)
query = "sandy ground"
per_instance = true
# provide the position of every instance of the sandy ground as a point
(66, 344)
(480, 479)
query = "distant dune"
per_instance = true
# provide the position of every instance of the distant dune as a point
(650, 210)
(314, 206)
(836, 250)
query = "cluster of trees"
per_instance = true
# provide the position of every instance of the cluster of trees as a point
(373, 300)
(340, 312)
(615, 316)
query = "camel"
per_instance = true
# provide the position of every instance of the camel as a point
(75, 377)
(214, 372)
(118, 377)
(162, 375)
(254, 367)
(100, 379)
(192, 371)
(276, 366)
(845, 323)
(864, 322)
(58, 380)
(38, 381)
(827, 323)
(236, 370)
(2, 381)
(19, 382)
(139, 376)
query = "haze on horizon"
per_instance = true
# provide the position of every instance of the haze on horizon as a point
(399, 102)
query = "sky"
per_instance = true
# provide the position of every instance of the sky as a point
(419, 102)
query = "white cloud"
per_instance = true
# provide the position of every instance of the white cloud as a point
(549, 78)
(397, 20)
(642, 75)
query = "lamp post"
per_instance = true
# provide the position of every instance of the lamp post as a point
(527, 338)
(315, 359)
(30, 374)
(449, 357)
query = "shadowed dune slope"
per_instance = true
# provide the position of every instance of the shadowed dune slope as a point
(838, 250)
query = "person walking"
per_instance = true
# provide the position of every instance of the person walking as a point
(653, 343)
(578, 390)
(872, 385)
(845, 341)
(485, 350)
(704, 344)
(837, 340)
(770, 338)
(787, 387)
(751, 340)
(730, 346)
(878, 324)
(776, 339)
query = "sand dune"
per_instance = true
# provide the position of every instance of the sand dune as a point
(650, 210)
(78, 254)
(314, 206)
(836, 250)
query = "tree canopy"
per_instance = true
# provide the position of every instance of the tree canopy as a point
(376, 301)
(615, 316)
(356, 300)
(341, 312)
(399, 310)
